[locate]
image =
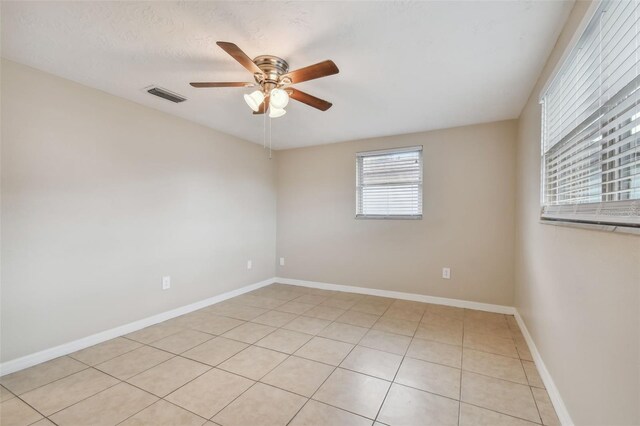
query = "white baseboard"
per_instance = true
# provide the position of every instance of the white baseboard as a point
(500, 309)
(26, 361)
(552, 390)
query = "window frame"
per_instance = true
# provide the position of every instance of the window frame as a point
(579, 213)
(362, 154)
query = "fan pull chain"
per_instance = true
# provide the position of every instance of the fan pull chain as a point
(264, 124)
(270, 125)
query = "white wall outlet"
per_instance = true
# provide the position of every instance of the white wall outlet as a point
(166, 283)
(282, 261)
(446, 273)
(249, 264)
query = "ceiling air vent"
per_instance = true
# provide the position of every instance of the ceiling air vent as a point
(165, 94)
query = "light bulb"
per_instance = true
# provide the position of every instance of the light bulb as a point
(276, 112)
(254, 100)
(279, 98)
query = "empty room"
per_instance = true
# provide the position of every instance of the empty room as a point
(320, 213)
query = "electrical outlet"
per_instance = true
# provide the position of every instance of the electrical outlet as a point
(166, 283)
(282, 261)
(446, 273)
(249, 264)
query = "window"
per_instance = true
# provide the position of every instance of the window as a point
(591, 123)
(389, 184)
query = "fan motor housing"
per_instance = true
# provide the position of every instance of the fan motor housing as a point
(272, 66)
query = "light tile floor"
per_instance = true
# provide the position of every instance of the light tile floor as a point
(292, 355)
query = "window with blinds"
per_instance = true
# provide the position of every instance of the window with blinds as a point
(591, 123)
(389, 184)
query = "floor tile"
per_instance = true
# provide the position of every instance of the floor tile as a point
(533, 377)
(325, 350)
(405, 312)
(62, 393)
(182, 341)
(437, 352)
(545, 407)
(249, 332)
(170, 375)
(344, 332)
(370, 307)
(307, 325)
(443, 318)
(210, 393)
(523, 349)
(14, 412)
(492, 344)
(353, 392)
(406, 406)
(470, 415)
(107, 408)
(274, 318)
(215, 324)
(215, 351)
(153, 333)
(360, 319)
(240, 312)
(388, 342)
(134, 362)
(499, 395)
(105, 351)
(498, 366)
(253, 362)
(5, 394)
(284, 341)
(298, 375)
(316, 413)
(43, 422)
(261, 404)
(343, 304)
(163, 413)
(325, 312)
(372, 362)
(258, 301)
(41, 374)
(311, 299)
(430, 377)
(491, 327)
(295, 307)
(450, 335)
(398, 326)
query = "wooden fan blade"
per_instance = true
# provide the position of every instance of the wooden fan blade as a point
(308, 99)
(263, 106)
(230, 84)
(239, 56)
(321, 69)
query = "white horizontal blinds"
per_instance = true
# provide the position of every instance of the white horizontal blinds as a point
(389, 183)
(591, 123)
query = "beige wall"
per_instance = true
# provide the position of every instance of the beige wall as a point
(577, 290)
(468, 221)
(101, 197)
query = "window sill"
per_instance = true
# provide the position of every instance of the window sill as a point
(395, 217)
(592, 226)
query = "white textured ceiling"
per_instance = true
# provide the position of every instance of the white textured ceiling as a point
(404, 66)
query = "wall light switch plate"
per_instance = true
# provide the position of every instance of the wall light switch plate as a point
(446, 273)
(249, 264)
(166, 283)
(282, 261)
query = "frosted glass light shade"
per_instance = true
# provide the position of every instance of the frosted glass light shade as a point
(279, 98)
(254, 100)
(276, 112)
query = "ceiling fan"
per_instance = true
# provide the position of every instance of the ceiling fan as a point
(274, 78)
